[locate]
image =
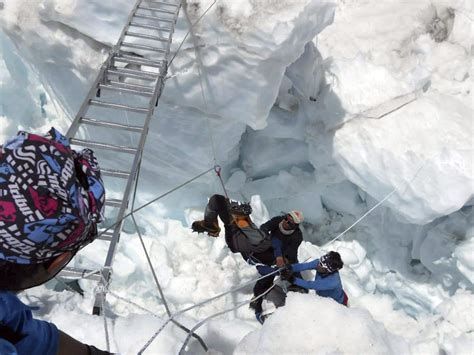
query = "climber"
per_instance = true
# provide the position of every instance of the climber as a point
(51, 201)
(286, 237)
(241, 234)
(327, 282)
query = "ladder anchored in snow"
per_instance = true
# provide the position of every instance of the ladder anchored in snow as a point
(127, 88)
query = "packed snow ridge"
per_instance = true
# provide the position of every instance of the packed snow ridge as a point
(327, 107)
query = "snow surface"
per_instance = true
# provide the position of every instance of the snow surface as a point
(324, 107)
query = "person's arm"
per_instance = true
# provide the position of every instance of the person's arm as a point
(291, 251)
(276, 244)
(68, 345)
(38, 336)
(305, 266)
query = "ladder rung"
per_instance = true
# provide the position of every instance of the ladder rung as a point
(130, 73)
(161, 3)
(113, 202)
(141, 46)
(80, 273)
(118, 106)
(94, 122)
(125, 90)
(157, 9)
(156, 18)
(99, 145)
(150, 27)
(139, 60)
(106, 236)
(145, 36)
(132, 86)
(115, 173)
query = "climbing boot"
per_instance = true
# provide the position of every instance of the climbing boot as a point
(212, 230)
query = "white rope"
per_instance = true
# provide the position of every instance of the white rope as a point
(189, 31)
(361, 218)
(408, 183)
(106, 329)
(200, 323)
(200, 66)
(201, 304)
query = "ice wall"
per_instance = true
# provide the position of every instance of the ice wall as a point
(423, 149)
(299, 120)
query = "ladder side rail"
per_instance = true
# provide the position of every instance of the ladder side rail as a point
(92, 92)
(107, 270)
(129, 20)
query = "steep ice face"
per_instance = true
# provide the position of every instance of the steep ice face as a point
(431, 167)
(430, 137)
(24, 100)
(64, 59)
(245, 51)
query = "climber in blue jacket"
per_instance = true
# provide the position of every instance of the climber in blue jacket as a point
(327, 282)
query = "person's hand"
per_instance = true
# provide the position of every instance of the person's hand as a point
(280, 261)
(287, 273)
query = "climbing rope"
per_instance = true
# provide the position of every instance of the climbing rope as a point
(217, 169)
(200, 67)
(182, 311)
(156, 199)
(150, 264)
(189, 31)
(407, 184)
(106, 329)
(200, 323)
(203, 303)
(360, 219)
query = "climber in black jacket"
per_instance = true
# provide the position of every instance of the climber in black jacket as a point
(286, 237)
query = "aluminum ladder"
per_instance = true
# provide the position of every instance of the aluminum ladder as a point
(127, 88)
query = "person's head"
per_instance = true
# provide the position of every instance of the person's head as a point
(291, 221)
(329, 263)
(17, 277)
(51, 201)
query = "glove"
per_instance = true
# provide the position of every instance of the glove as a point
(287, 273)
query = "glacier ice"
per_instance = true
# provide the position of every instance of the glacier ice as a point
(290, 116)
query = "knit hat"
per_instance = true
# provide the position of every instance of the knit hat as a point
(51, 198)
(297, 216)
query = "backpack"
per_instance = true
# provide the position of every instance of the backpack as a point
(249, 238)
